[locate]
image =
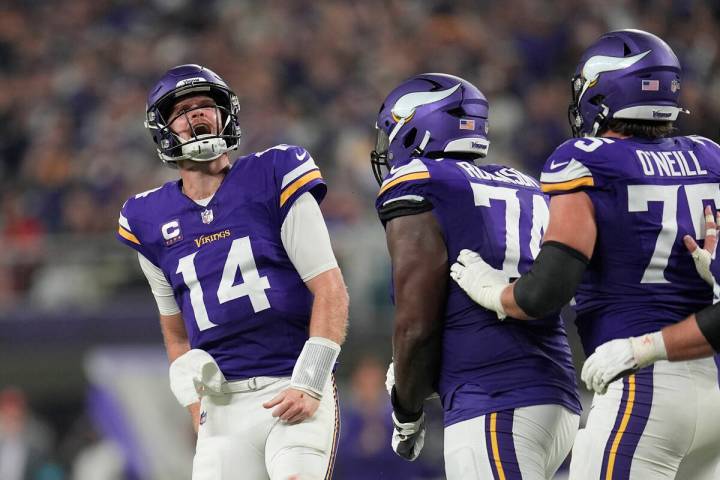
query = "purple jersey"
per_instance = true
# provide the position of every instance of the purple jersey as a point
(487, 364)
(240, 296)
(647, 194)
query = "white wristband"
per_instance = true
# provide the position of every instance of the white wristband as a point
(314, 365)
(648, 348)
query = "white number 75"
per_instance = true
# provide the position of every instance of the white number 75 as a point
(639, 197)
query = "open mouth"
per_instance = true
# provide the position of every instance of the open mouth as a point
(201, 129)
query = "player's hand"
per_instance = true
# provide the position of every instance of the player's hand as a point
(621, 357)
(704, 256)
(293, 406)
(390, 382)
(481, 282)
(610, 361)
(408, 438)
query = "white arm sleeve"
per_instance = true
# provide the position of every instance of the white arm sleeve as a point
(306, 239)
(161, 289)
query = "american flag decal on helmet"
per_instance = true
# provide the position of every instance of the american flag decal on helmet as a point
(650, 85)
(467, 124)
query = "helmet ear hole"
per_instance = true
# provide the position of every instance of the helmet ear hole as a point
(410, 138)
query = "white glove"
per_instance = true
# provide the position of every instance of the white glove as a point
(620, 357)
(390, 382)
(194, 373)
(390, 378)
(481, 282)
(408, 438)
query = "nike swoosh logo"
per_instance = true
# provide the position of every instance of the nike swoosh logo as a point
(301, 157)
(554, 165)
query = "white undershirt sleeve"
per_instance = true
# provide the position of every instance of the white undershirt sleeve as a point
(306, 239)
(161, 289)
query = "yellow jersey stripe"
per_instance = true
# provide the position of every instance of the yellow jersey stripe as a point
(404, 178)
(623, 425)
(495, 449)
(297, 184)
(128, 236)
(569, 185)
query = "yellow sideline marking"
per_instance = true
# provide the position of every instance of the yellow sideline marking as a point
(623, 426)
(293, 187)
(405, 178)
(128, 236)
(495, 449)
(578, 182)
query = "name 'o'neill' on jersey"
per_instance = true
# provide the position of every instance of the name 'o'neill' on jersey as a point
(488, 365)
(646, 194)
(241, 298)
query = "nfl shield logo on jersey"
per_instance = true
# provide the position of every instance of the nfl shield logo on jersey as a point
(207, 216)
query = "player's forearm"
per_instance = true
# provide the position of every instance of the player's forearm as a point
(174, 336)
(330, 307)
(416, 356)
(510, 306)
(549, 284)
(685, 341)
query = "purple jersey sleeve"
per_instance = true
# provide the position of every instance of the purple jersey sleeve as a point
(405, 186)
(578, 164)
(296, 173)
(133, 230)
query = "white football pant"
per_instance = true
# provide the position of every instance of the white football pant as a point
(661, 423)
(528, 443)
(241, 440)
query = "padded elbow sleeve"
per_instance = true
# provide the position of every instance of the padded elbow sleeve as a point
(552, 280)
(708, 320)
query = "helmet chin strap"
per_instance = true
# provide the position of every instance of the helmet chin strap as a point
(204, 148)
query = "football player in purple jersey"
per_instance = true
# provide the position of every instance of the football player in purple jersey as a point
(507, 386)
(621, 194)
(253, 307)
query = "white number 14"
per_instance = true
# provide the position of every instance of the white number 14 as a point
(253, 286)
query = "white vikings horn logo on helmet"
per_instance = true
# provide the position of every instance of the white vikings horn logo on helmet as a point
(405, 106)
(598, 64)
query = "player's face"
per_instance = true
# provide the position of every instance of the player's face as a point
(195, 115)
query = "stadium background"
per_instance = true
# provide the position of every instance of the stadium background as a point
(83, 387)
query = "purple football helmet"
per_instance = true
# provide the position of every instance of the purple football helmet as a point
(628, 74)
(182, 81)
(433, 115)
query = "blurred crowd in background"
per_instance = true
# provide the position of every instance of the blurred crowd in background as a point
(74, 78)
